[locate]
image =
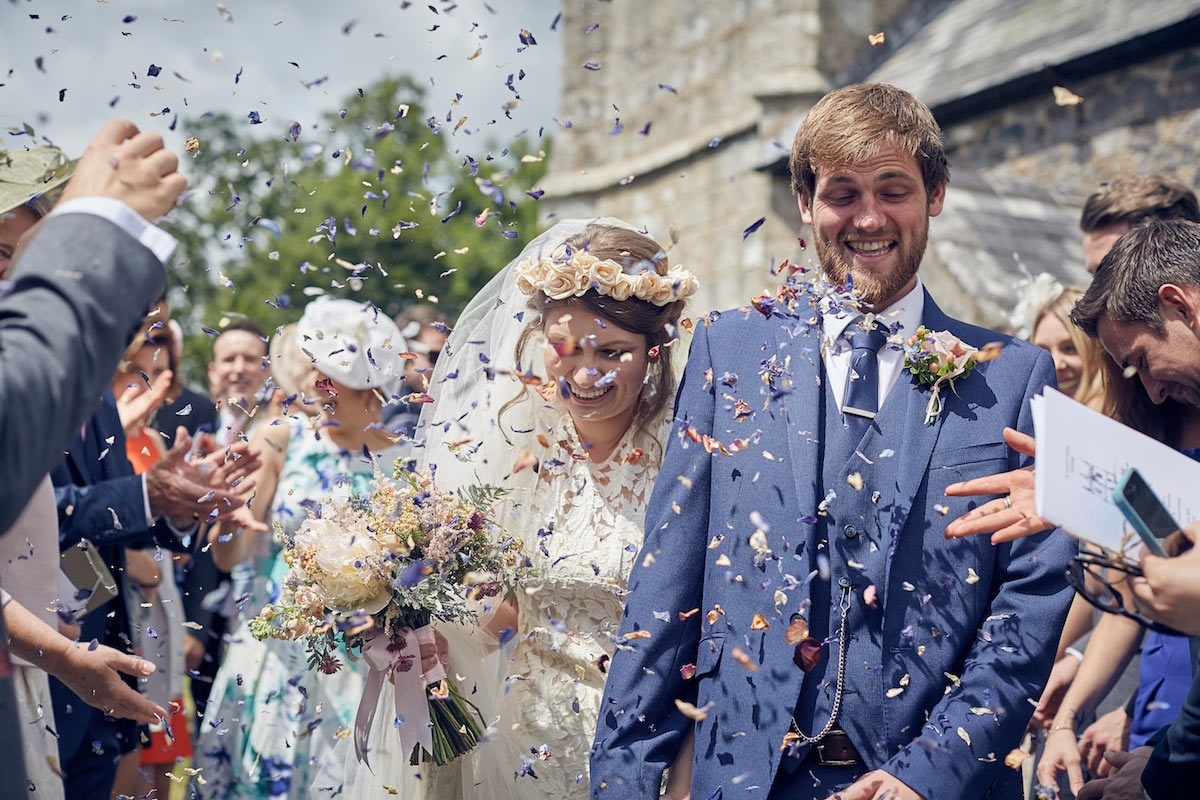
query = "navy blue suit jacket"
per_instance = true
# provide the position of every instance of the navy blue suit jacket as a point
(100, 499)
(953, 660)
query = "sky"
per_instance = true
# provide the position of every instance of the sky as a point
(68, 65)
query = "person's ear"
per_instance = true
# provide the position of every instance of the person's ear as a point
(805, 208)
(1180, 302)
(936, 198)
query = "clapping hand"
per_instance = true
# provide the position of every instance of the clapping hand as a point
(214, 487)
(1009, 517)
(137, 402)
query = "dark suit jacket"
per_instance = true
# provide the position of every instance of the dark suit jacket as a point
(80, 290)
(1174, 768)
(100, 498)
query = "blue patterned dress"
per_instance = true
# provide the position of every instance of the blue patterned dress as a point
(270, 722)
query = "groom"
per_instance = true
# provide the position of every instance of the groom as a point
(796, 603)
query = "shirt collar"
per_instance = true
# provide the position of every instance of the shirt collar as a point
(907, 310)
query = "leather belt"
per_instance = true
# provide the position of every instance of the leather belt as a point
(836, 750)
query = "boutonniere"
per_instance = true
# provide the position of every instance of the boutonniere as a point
(939, 359)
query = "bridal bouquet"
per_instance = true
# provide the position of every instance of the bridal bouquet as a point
(370, 574)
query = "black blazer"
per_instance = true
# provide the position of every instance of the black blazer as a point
(100, 498)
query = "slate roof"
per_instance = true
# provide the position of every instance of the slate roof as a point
(972, 46)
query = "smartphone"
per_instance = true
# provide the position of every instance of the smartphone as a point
(1145, 512)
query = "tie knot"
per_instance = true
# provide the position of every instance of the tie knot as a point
(861, 339)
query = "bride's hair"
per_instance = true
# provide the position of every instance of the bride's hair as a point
(636, 253)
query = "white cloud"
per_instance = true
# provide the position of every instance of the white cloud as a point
(88, 56)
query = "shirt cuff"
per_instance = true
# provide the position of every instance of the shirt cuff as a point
(146, 503)
(158, 241)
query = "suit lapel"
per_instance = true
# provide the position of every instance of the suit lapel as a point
(802, 413)
(918, 438)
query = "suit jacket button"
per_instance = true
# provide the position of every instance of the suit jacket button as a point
(851, 531)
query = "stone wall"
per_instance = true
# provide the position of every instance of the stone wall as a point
(1139, 119)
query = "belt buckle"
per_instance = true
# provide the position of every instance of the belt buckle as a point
(833, 762)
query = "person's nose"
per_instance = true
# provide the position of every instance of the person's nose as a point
(869, 215)
(584, 375)
(1155, 388)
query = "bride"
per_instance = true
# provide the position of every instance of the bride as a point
(556, 384)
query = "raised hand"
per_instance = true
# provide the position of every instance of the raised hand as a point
(1009, 517)
(180, 492)
(130, 166)
(1168, 591)
(137, 403)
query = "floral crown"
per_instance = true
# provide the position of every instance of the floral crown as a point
(572, 272)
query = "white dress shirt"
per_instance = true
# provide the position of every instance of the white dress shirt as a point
(836, 351)
(159, 242)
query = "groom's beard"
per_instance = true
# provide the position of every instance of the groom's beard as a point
(870, 287)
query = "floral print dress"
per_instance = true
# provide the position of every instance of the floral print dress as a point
(270, 722)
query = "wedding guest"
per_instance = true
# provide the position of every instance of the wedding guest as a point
(270, 722)
(144, 379)
(192, 410)
(236, 375)
(61, 331)
(1167, 673)
(425, 330)
(1144, 307)
(1116, 206)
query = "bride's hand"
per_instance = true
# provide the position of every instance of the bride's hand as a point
(431, 656)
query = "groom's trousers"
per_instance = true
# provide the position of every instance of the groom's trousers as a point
(812, 780)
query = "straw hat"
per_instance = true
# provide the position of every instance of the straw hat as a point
(27, 174)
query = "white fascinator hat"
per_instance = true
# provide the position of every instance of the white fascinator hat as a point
(353, 343)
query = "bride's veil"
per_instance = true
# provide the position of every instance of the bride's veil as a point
(483, 423)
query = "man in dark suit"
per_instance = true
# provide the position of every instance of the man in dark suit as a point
(101, 499)
(77, 293)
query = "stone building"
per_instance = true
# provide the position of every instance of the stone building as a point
(683, 117)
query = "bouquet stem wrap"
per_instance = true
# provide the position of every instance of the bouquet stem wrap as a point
(437, 724)
(403, 669)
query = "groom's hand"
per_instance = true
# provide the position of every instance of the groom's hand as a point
(877, 785)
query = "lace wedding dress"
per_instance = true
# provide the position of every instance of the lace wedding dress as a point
(569, 614)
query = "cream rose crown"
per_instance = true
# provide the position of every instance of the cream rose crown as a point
(571, 273)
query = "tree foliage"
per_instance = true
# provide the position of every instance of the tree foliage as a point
(375, 202)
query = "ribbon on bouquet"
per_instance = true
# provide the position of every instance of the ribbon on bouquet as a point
(403, 668)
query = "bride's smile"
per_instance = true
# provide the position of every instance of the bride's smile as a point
(599, 369)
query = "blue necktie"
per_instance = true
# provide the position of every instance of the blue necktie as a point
(860, 401)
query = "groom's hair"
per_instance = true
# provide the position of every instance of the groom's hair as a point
(1127, 281)
(848, 126)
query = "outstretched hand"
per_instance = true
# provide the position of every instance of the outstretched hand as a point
(1009, 517)
(94, 675)
(216, 488)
